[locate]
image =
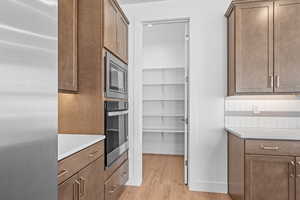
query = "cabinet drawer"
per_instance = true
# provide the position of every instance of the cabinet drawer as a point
(115, 185)
(72, 164)
(272, 147)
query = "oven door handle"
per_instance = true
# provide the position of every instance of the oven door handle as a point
(111, 114)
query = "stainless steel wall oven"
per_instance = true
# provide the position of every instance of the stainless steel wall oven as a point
(116, 130)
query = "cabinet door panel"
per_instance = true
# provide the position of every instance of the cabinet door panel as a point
(69, 190)
(269, 178)
(114, 186)
(122, 35)
(254, 47)
(67, 57)
(298, 178)
(231, 54)
(287, 46)
(91, 181)
(110, 25)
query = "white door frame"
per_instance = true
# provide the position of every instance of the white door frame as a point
(186, 102)
(136, 99)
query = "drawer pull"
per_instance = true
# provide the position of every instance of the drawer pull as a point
(269, 148)
(62, 173)
(91, 155)
(76, 190)
(114, 188)
(292, 169)
(82, 186)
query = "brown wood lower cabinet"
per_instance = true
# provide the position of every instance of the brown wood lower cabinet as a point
(69, 189)
(298, 178)
(115, 178)
(86, 182)
(91, 181)
(269, 177)
(263, 169)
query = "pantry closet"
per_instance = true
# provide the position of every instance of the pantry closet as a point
(165, 88)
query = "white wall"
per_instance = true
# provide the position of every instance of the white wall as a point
(207, 148)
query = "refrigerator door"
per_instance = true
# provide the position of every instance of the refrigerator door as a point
(28, 99)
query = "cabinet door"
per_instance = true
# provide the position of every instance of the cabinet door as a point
(254, 48)
(287, 46)
(231, 54)
(115, 185)
(91, 181)
(298, 178)
(69, 190)
(67, 42)
(269, 177)
(110, 25)
(122, 35)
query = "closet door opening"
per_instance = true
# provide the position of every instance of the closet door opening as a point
(165, 98)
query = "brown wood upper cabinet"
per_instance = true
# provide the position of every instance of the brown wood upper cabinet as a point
(122, 38)
(287, 46)
(110, 25)
(263, 46)
(115, 30)
(67, 45)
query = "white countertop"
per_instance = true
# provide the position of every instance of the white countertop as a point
(265, 133)
(70, 144)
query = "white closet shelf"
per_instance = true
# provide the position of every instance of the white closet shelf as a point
(162, 84)
(163, 115)
(152, 130)
(163, 99)
(161, 68)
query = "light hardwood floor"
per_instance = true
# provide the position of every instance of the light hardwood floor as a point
(163, 180)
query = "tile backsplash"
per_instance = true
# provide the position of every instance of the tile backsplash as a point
(263, 112)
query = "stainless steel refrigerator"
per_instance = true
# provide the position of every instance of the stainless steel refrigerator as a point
(28, 99)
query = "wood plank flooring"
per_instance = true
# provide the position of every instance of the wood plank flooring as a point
(163, 180)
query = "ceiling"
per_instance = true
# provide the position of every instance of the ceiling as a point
(137, 1)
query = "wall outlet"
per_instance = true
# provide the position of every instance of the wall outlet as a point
(255, 109)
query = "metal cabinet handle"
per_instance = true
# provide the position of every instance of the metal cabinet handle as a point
(269, 148)
(93, 154)
(111, 114)
(62, 173)
(76, 187)
(271, 81)
(277, 81)
(82, 186)
(114, 188)
(298, 169)
(292, 168)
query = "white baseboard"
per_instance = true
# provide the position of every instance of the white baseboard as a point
(216, 187)
(134, 182)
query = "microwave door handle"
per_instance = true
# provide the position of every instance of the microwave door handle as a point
(111, 114)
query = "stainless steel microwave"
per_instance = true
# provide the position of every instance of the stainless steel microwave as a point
(116, 77)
